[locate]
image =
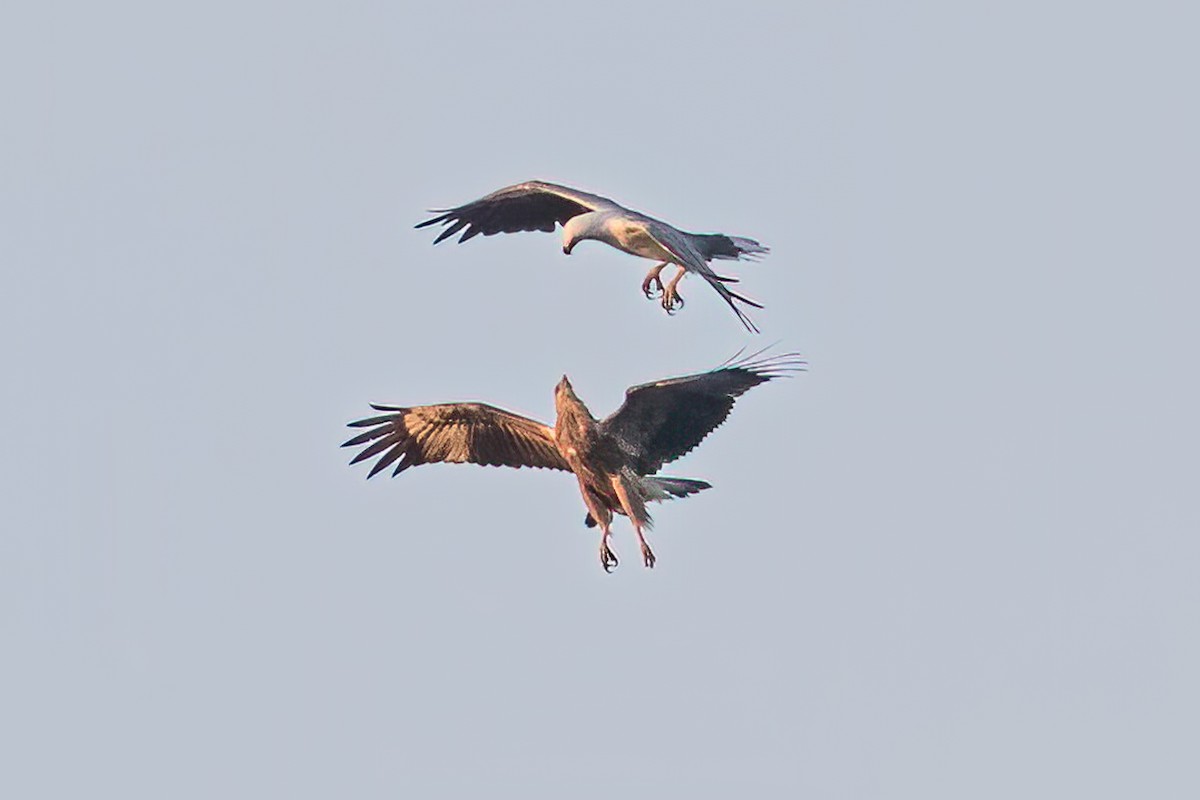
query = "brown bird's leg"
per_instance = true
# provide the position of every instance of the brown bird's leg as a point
(608, 559)
(671, 298)
(652, 277)
(603, 516)
(636, 511)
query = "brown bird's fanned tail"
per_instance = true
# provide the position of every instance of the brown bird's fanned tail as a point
(669, 487)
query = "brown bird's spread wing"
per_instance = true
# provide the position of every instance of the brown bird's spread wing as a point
(529, 206)
(687, 256)
(661, 421)
(455, 433)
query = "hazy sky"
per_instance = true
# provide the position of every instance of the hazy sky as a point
(958, 558)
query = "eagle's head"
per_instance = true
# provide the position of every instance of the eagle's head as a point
(575, 230)
(564, 394)
(570, 409)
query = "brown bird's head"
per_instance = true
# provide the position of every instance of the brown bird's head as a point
(570, 410)
(565, 397)
(564, 386)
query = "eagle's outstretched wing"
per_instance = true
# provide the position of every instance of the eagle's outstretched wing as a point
(456, 433)
(529, 206)
(661, 421)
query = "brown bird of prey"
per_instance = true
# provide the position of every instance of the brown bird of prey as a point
(537, 206)
(614, 459)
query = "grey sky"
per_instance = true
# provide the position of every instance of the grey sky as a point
(957, 558)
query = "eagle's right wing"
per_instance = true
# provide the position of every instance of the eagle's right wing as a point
(455, 433)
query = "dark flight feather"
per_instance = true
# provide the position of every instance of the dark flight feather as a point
(661, 421)
(525, 207)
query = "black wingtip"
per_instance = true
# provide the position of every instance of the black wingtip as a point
(453, 226)
(782, 365)
(764, 365)
(443, 215)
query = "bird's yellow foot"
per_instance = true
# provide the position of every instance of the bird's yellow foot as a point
(672, 301)
(652, 287)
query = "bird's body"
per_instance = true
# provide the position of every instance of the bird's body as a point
(538, 205)
(628, 233)
(614, 460)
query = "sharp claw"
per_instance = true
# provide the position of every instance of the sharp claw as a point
(671, 302)
(649, 289)
(608, 559)
(648, 557)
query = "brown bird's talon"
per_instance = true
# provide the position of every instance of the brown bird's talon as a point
(608, 559)
(648, 556)
(652, 287)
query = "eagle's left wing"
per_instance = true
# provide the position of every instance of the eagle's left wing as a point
(661, 421)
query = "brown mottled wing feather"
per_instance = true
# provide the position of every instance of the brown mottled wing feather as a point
(529, 206)
(456, 433)
(660, 422)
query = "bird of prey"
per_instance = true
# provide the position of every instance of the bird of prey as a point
(614, 460)
(537, 206)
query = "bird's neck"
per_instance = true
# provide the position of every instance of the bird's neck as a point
(575, 425)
